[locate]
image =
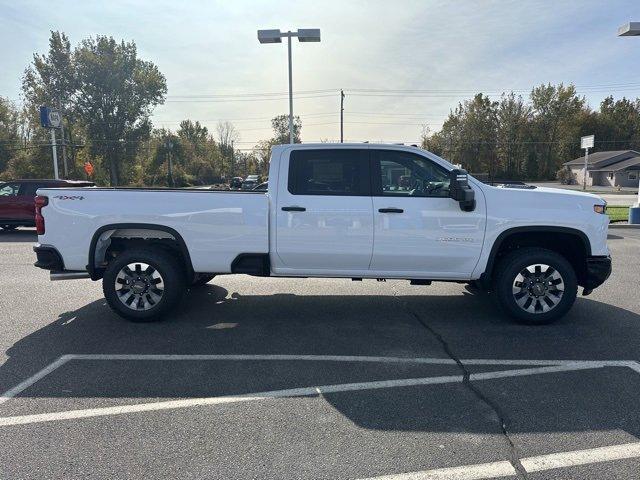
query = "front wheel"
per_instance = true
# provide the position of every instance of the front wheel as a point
(143, 285)
(535, 286)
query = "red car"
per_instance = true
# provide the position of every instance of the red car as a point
(17, 200)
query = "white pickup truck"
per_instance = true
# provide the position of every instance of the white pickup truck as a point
(332, 210)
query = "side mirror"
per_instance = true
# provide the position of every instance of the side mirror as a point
(460, 191)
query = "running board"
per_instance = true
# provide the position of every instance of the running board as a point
(68, 275)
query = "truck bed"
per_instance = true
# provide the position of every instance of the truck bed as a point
(215, 224)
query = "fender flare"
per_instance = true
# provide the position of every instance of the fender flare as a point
(537, 228)
(94, 274)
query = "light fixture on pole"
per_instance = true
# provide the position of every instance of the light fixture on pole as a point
(275, 36)
(632, 29)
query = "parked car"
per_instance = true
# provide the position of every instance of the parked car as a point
(235, 183)
(250, 182)
(17, 207)
(333, 211)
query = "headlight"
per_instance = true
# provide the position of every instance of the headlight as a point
(600, 208)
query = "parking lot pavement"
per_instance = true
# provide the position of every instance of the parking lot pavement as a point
(301, 378)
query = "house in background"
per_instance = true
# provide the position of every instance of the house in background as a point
(618, 168)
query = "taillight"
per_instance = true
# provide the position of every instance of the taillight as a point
(41, 202)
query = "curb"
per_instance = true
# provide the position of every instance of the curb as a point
(615, 226)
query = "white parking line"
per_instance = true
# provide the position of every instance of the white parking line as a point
(538, 463)
(469, 472)
(9, 394)
(581, 457)
(294, 392)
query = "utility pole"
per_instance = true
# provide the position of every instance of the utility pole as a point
(341, 116)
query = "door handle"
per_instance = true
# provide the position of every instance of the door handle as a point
(293, 209)
(391, 210)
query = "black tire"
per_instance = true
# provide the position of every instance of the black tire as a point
(8, 228)
(201, 279)
(162, 264)
(511, 268)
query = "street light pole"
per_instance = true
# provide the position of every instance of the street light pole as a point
(632, 29)
(275, 36)
(290, 89)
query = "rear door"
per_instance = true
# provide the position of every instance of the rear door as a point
(419, 231)
(324, 213)
(9, 201)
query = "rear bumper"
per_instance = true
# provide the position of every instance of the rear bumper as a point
(48, 258)
(598, 271)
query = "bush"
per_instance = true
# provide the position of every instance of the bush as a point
(566, 176)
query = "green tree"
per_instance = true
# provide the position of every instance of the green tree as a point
(9, 128)
(51, 80)
(280, 125)
(557, 111)
(513, 136)
(116, 94)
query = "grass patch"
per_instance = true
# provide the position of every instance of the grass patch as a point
(618, 214)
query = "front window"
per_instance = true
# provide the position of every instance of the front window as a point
(406, 174)
(9, 189)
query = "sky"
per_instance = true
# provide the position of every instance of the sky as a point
(402, 64)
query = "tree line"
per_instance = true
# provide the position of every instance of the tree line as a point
(106, 94)
(514, 139)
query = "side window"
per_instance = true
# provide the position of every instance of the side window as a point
(29, 189)
(405, 174)
(329, 172)
(9, 189)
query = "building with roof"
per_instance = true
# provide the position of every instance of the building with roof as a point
(618, 168)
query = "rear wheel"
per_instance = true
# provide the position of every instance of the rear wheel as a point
(142, 285)
(535, 286)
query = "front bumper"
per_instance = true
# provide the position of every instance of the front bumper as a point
(597, 272)
(48, 258)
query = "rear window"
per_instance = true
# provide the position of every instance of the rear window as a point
(329, 172)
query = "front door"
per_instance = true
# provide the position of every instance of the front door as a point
(324, 216)
(419, 231)
(9, 201)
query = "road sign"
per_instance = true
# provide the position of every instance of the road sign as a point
(50, 117)
(587, 142)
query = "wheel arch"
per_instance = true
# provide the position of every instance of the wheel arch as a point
(95, 272)
(550, 237)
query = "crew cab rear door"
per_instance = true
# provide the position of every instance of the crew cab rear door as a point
(419, 231)
(324, 212)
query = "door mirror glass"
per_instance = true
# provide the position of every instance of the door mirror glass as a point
(460, 190)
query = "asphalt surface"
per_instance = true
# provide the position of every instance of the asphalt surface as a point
(351, 432)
